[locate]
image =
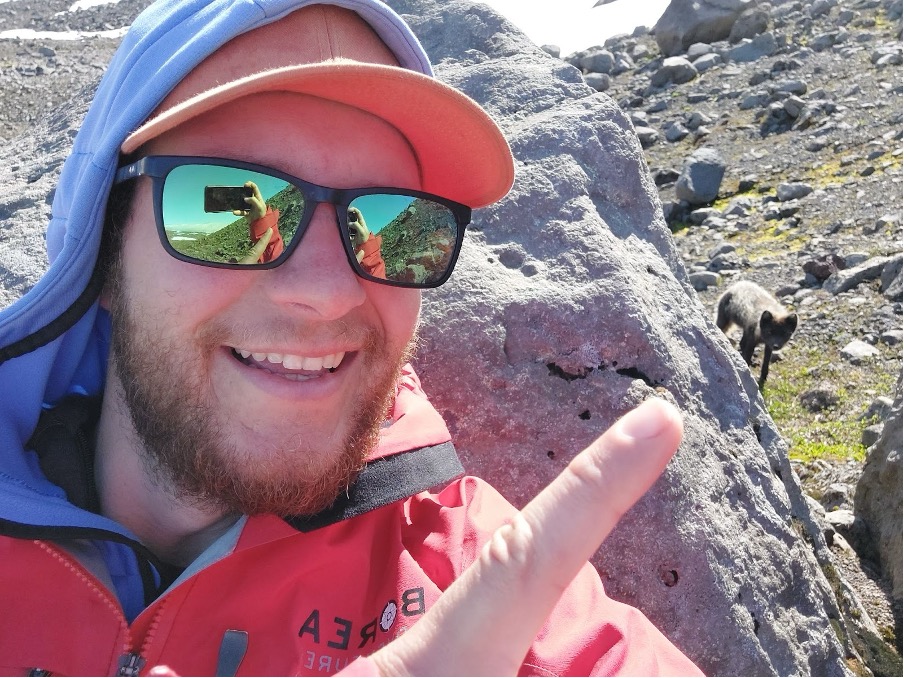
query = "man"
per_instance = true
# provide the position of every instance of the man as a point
(222, 463)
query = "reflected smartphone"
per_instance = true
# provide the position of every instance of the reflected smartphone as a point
(226, 198)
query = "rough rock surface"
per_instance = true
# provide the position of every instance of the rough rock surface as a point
(818, 114)
(878, 496)
(570, 304)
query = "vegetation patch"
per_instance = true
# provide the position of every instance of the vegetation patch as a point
(834, 433)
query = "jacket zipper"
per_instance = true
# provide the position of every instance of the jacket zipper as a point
(130, 664)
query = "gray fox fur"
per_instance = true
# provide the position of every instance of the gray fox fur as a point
(761, 317)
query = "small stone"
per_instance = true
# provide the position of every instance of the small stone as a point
(647, 136)
(725, 262)
(839, 542)
(793, 191)
(598, 81)
(855, 259)
(698, 49)
(871, 434)
(840, 518)
(824, 265)
(675, 69)
(849, 526)
(698, 119)
(878, 410)
(819, 398)
(892, 337)
(747, 183)
(676, 132)
(858, 352)
(703, 280)
(724, 248)
(794, 105)
(706, 62)
(698, 216)
(795, 87)
(836, 496)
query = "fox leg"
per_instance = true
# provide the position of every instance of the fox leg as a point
(748, 343)
(764, 370)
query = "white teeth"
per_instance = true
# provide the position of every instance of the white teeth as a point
(312, 364)
(292, 362)
(295, 362)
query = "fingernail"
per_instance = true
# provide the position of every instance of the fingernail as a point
(645, 421)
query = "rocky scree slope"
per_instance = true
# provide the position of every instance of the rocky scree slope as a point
(803, 117)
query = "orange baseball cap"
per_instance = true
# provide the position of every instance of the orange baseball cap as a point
(331, 52)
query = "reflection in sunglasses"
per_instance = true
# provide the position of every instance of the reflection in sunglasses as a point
(228, 213)
(236, 241)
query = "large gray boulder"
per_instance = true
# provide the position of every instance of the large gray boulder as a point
(701, 176)
(750, 23)
(877, 499)
(570, 306)
(685, 22)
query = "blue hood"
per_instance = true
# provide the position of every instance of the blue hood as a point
(54, 340)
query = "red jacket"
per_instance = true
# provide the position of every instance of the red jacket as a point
(372, 261)
(257, 229)
(308, 596)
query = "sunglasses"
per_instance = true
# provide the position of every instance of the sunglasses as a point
(233, 214)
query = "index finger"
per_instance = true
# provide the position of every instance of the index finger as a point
(499, 604)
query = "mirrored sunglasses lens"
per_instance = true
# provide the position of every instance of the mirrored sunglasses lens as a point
(402, 238)
(227, 215)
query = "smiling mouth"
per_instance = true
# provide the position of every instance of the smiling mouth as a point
(289, 366)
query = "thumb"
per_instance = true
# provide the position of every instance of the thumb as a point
(486, 621)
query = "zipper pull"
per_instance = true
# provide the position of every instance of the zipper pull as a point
(232, 652)
(130, 664)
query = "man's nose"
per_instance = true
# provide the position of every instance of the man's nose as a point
(317, 277)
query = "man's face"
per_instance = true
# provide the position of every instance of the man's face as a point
(248, 434)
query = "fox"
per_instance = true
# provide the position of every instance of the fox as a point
(761, 317)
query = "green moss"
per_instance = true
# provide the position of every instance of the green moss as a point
(879, 657)
(722, 203)
(882, 20)
(826, 174)
(888, 634)
(765, 242)
(834, 433)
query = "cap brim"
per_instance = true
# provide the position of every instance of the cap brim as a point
(462, 153)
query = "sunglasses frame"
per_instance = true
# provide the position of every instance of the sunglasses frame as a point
(158, 167)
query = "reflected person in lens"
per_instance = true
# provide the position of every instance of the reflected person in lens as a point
(366, 244)
(263, 228)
